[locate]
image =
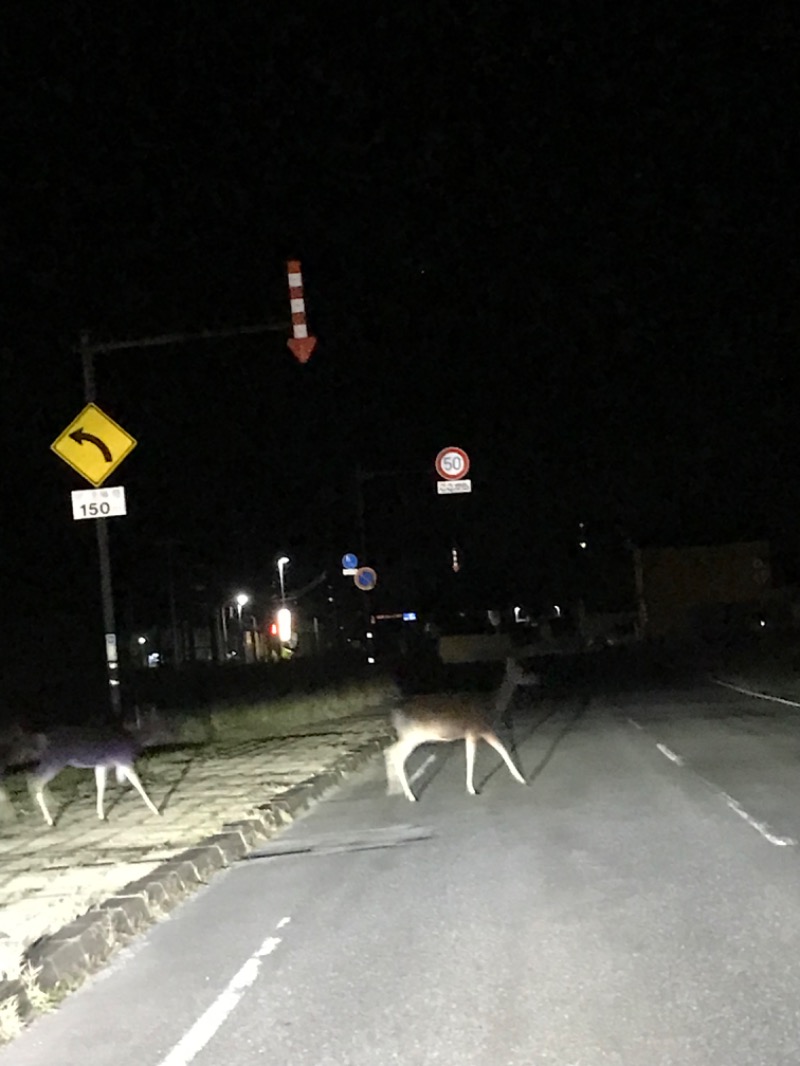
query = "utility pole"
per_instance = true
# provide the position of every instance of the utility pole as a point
(361, 477)
(104, 554)
(177, 632)
(87, 352)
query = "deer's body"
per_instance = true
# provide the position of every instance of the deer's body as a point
(441, 719)
(96, 749)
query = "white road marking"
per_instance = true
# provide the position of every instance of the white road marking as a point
(196, 1038)
(670, 754)
(758, 695)
(760, 827)
(420, 770)
(734, 805)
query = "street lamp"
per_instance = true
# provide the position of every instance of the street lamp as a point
(241, 599)
(282, 563)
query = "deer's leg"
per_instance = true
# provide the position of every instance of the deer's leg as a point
(396, 755)
(36, 786)
(129, 773)
(471, 745)
(502, 704)
(494, 741)
(393, 780)
(100, 776)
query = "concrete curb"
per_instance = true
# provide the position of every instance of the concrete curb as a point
(64, 959)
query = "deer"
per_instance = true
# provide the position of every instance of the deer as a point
(446, 718)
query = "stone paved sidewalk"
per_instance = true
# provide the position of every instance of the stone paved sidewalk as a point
(49, 877)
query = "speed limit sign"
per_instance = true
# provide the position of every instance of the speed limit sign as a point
(452, 464)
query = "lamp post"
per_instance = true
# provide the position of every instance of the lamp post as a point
(282, 564)
(241, 599)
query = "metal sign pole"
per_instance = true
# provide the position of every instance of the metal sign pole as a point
(106, 587)
(110, 444)
(361, 477)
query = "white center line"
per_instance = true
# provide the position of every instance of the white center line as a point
(196, 1038)
(734, 805)
(670, 754)
(760, 827)
(757, 695)
(420, 770)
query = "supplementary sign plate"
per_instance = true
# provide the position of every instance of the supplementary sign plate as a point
(447, 488)
(98, 503)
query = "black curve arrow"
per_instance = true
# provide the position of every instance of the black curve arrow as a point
(79, 436)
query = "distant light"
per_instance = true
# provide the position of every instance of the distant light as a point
(557, 609)
(409, 616)
(284, 559)
(284, 624)
(370, 659)
(273, 629)
(141, 640)
(368, 634)
(762, 622)
(582, 544)
(242, 598)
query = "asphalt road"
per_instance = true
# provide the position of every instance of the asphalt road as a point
(638, 903)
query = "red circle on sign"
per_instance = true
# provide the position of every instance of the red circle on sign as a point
(452, 464)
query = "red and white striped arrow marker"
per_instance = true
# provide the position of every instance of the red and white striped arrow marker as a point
(300, 344)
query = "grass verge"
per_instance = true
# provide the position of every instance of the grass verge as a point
(284, 716)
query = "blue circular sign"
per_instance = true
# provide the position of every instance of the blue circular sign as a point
(366, 578)
(349, 561)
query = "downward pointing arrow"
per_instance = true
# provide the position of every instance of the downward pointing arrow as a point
(302, 347)
(79, 435)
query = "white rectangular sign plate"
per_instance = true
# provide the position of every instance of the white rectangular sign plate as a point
(98, 503)
(445, 488)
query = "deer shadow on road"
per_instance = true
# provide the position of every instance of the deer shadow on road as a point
(518, 736)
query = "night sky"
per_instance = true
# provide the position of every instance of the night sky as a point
(563, 239)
